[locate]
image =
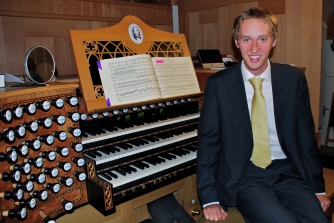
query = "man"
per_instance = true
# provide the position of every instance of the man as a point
(136, 33)
(271, 173)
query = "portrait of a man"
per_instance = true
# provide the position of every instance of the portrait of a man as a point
(136, 33)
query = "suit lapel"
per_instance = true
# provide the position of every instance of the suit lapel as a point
(280, 94)
(238, 94)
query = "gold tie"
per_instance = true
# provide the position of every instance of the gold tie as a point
(261, 151)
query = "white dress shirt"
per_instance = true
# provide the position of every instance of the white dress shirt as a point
(275, 148)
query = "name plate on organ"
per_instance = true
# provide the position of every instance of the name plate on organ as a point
(135, 143)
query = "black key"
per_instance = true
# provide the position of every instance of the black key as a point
(174, 152)
(160, 136)
(157, 161)
(144, 164)
(112, 174)
(125, 169)
(165, 156)
(112, 149)
(84, 135)
(138, 165)
(160, 159)
(90, 154)
(109, 128)
(120, 171)
(150, 161)
(190, 148)
(96, 153)
(131, 168)
(150, 139)
(175, 132)
(105, 151)
(136, 123)
(106, 176)
(140, 142)
(184, 151)
(144, 141)
(168, 135)
(116, 149)
(122, 146)
(172, 156)
(119, 125)
(89, 132)
(128, 145)
(134, 142)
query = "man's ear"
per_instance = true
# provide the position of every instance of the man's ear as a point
(236, 42)
(274, 42)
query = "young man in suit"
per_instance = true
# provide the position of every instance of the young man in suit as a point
(271, 173)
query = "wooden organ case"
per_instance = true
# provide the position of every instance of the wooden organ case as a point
(137, 152)
(42, 170)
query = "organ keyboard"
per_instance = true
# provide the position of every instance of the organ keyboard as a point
(132, 153)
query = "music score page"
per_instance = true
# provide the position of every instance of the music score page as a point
(176, 76)
(128, 79)
(140, 77)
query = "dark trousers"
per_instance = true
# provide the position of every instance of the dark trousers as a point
(276, 194)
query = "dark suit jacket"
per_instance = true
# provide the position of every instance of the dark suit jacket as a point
(225, 139)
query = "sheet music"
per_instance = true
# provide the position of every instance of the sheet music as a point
(129, 79)
(176, 76)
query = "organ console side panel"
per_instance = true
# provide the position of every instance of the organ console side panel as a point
(138, 152)
(37, 162)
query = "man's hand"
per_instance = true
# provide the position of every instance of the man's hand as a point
(324, 201)
(214, 212)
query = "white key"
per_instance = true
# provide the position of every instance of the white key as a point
(122, 180)
(138, 149)
(121, 132)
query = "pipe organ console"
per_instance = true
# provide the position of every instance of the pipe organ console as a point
(39, 172)
(137, 150)
(59, 152)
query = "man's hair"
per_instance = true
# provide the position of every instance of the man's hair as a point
(256, 13)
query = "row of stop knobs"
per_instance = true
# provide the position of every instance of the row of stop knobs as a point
(11, 154)
(8, 114)
(21, 212)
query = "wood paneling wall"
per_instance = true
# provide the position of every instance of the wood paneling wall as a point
(208, 24)
(28, 23)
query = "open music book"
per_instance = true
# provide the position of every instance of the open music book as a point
(142, 77)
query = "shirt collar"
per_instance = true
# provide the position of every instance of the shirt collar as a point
(246, 75)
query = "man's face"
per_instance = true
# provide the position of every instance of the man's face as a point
(136, 31)
(255, 44)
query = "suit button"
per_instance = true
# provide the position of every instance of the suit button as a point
(238, 181)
